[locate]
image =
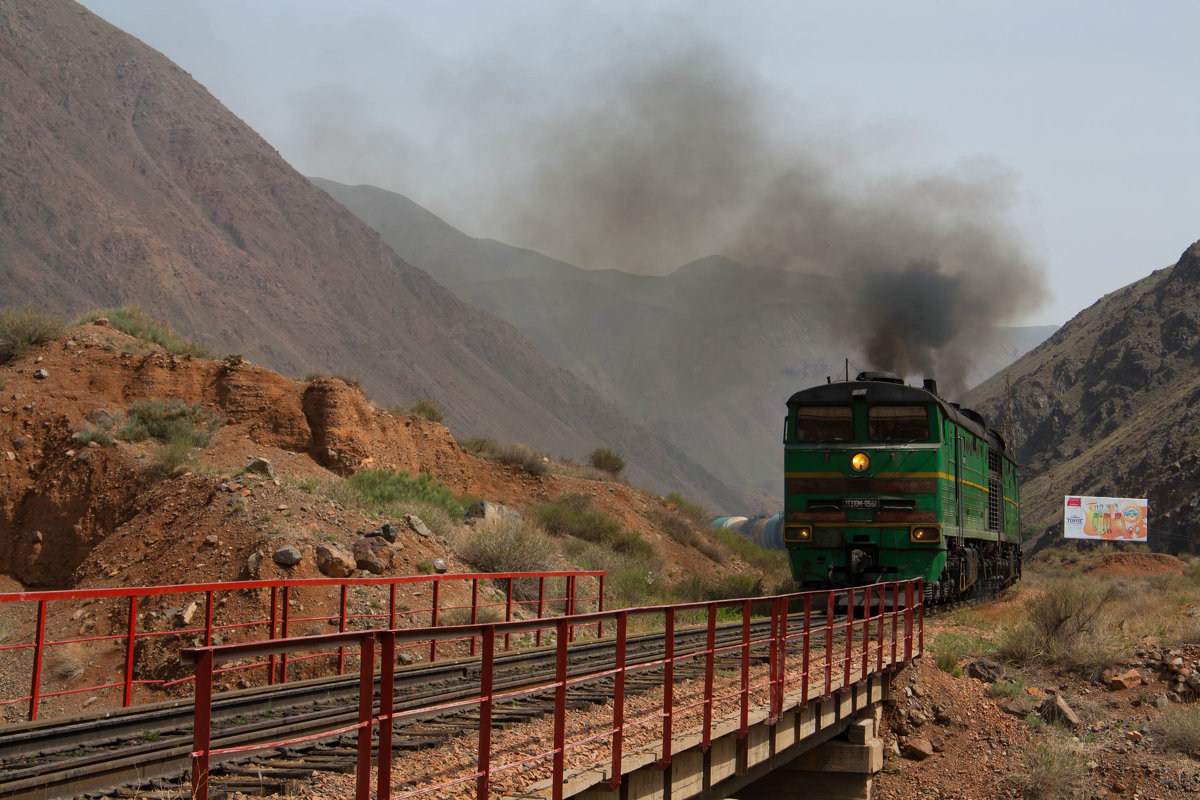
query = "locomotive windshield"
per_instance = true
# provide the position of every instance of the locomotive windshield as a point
(824, 424)
(898, 423)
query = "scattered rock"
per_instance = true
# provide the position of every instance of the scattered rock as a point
(1126, 680)
(1134, 736)
(262, 466)
(985, 670)
(439, 566)
(41, 374)
(1056, 709)
(1017, 706)
(286, 556)
(334, 562)
(414, 522)
(373, 554)
(487, 512)
(918, 749)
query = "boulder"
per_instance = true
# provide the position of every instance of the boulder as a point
(262, 466)
(373, 554)
(414, 522)
(918, 749)
(334, 561)
(486, 512)
(1017, 706)
(286, 556)
(1126, 680)
(1055, 709)
(985, 670)
(439, 566)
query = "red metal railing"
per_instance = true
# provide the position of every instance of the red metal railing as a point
(711, 684)
(128, 634)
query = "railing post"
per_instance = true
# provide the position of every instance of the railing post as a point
(474, 609)
(882, 614)
(777, 710)
(208, 618)
(921, 619)
(807, 640)
(508, 605)
(600, 607)
(36, 684)
(202, 725)
(571, 604)
(129, 649)
(392, 607)
(908, 620)
(387, 705)
(287, 612)
(342, 629)
(710, 656)
(541, 604)
(668, 687)
(829, 609)
(619, 700)
(437, 584)
(274, 619)
(744, 721)
(866, 643)
(849, 637)
(895, 621)
(560, 706)
(366, 705)
(485, 712)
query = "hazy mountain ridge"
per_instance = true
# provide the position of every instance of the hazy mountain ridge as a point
(705, 356)
(1110, 405)
(124, 181)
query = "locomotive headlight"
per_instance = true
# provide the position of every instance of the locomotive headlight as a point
(859, 462)
(925, 533)
(797, 533)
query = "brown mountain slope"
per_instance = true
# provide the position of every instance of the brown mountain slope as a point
(1108, 405)
(123, 181)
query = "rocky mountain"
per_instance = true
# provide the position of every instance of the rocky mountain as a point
(706, 356)
(123, 181)
(1110, 406)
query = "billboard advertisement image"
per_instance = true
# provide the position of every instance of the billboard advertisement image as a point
(1109, 518)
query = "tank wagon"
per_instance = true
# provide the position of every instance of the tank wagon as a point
(884, 481)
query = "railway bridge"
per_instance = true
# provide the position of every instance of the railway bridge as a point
(759, 697)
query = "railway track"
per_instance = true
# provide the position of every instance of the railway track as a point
(144, 752)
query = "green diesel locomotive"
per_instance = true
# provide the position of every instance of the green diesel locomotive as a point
(884, 481)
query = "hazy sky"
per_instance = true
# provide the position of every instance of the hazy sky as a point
(1071, 128)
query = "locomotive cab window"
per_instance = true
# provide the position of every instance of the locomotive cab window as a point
(898, 423)
(824, 423)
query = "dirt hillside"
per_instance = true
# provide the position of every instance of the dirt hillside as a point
(75, 515)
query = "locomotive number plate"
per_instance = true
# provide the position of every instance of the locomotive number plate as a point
(861, 502)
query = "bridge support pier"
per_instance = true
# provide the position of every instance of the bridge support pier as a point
(840, 769)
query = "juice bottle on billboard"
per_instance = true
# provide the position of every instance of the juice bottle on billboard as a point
(1106, 521)
(1119, 528)
(1091, 521)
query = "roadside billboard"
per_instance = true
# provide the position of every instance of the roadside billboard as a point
(1109, 518)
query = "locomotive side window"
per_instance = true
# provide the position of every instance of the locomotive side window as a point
(897, 423)
(824, 423)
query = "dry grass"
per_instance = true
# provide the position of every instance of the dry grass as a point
(69, 662)
(1180, 730)
(1054, 770)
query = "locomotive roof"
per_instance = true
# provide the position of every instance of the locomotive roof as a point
(887, 391)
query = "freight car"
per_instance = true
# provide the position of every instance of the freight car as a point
(884, 481)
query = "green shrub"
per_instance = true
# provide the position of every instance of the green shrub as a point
(572, 515)
(387, 492)
(521, 456)
(93, 432)
(426, 408)
(608, 460)
(773, 563)
(482, 446)
(510, 546)
(172, 422)
(632, 579)
(686, 507)
(731, 587)
(135, 322)
(675, 526)
(23, 328)
(950, 648)
(425, 566)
